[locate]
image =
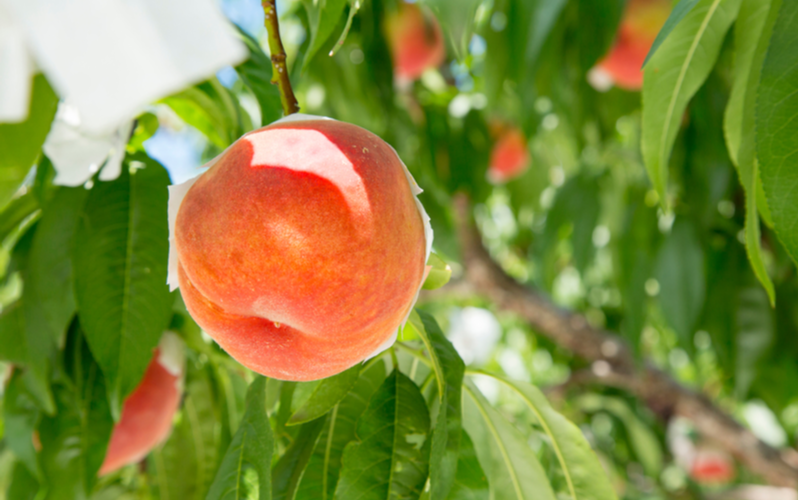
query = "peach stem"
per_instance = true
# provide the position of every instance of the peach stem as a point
(280, 73)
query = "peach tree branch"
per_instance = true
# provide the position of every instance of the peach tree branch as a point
(611, 360)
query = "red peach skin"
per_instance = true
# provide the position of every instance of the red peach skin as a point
(415, 40)
(509, 157)
(640, 24)
(301, 250)
(146, 417)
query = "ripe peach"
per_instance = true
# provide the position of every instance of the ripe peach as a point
(712, 467)
(147, 413)
(509, 157)
(622, 66)
(415, 40)
(301, 250)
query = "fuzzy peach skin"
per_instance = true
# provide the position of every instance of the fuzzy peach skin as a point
(640, 25)
(415, 40)
(147, 413)
(509, 157)
(301, 250)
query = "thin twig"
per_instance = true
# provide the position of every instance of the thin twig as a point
(340, 42)
(280, 73)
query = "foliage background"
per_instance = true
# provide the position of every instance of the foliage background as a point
(697, 275)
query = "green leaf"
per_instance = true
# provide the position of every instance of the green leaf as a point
(238, 121)
(741, 114)
(20, 246)
(120, 273)
(199, 110)
(776, 127)
(21, 416)
(16, 212)
(23, 484)
(21, 143)
(682, 276)
(513, 470)
(755, 333)
(739, 129)
(213, 110)
(13, 347)
(285, 398)
(749, 26)
(183, 324)
(470, 482)
(74, 440)
(679, 11)
(116, 492)
(577, 205)
(582, 471)
(449, 371)
(323, 16)
(389, 460)
(48, 301)
(251, 448)
(595, 37)
(673, 75)
(643, 442)
(315, 399)
(42, 187)
(753, 235)
(322, 473)
(7, 464)
(48, 277)
(256, 73)
(457, 20)
(742, 326)
(289, 470)
(184, 466)
(22, 343)
(515, 49)
(439, 274)
(231, 390)
(545, 13)
(146, 125)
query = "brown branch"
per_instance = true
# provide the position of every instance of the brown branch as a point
(280, 73)
(754, 492)
(612, 361)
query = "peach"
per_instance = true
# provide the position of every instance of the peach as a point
(640, 25)
(415, 40)
(509, 157)
(712, 467)
(302, 249)
(147, 413)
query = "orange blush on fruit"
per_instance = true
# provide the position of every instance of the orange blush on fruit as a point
(147, 413)
(509, 157)
(415, 40)
(712, 467)
(622, 66)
